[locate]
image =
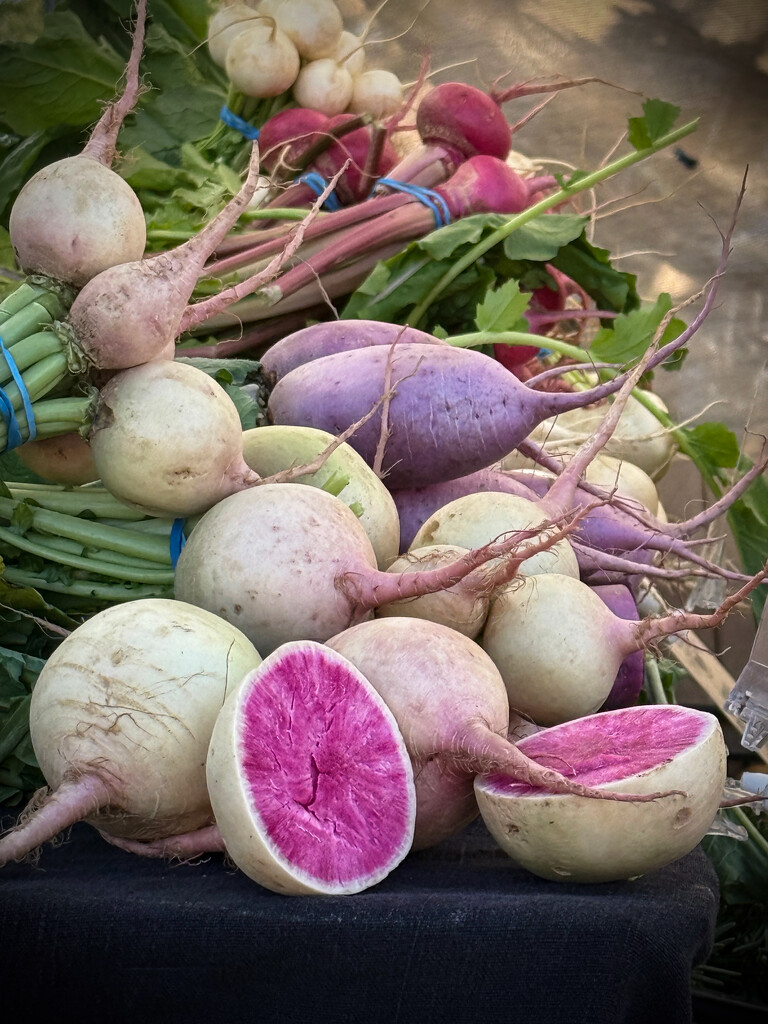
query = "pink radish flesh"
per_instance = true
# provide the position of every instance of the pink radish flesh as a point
(604, 748)
(323, 770)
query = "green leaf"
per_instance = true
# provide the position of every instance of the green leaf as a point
(658, 118)
(590, 266)
(22, 518)
(541, 239)
(502, 308)
(713, 443)
(61, 78)
(631, 333)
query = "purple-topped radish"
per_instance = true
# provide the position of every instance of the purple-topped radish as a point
(559, 647)
(309, 779)
(630, 677)
(77, 217)
(120, 721)
(449, 701)
(634, 750)
(324, 339)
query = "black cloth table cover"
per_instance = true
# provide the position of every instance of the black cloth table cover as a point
(455, 934)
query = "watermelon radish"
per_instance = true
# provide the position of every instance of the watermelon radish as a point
(310, 781)
(632, 750)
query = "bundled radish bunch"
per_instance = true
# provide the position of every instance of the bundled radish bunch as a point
(300, 48)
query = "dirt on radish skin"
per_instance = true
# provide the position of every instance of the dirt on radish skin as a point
(309, 778)
(120, 721)
(635, 750)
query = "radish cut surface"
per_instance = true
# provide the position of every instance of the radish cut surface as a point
(310, 782)
(635, 750)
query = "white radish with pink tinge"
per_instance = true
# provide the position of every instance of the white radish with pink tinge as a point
(309, 778)
(633, 750)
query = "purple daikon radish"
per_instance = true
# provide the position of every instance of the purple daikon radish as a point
(634, 750)
(310, 782)
(559, 647)
(120, 721)
(286, 561)
(324, 339)
(629, 679)
(76, 217)
(449, 701)
(454, 411)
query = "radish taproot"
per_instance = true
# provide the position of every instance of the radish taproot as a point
(285, 561)
(449, 700)
(272, 449)
(634, 750)
(559, 647)
(76, 217)
(120, 721)
(310, 782)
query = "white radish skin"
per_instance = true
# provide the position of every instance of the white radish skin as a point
(349, 52)
(131, 313)
(569, 839)
(74, 219)
(313, 26)
(334, 806)
(638, 438)
(272, 449)
(167, 439)
(476, 519)
(461, 607)
(554, 644)
(323, 85)
(451, 706)
(262, 61)
(376, 92)
(120, 721)
(224, 24)
(77, 217)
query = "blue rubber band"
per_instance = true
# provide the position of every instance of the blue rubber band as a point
(178, 540)
(7, 411)
(427, 196)
(238, 123)
(318, 184)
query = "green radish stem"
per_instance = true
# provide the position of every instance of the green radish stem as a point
(549, 202)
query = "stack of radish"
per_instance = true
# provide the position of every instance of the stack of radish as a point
(372, 603)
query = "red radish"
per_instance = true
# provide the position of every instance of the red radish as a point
(449, 701)
(481, 184)
(120, 721)
(77, 217)
(310, 782)
(559, 647)
(167, 438)
(285, 136)
(635, 750)
(284, 561)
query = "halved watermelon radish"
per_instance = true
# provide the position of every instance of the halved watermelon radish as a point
(635, 750)
(310, 782)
